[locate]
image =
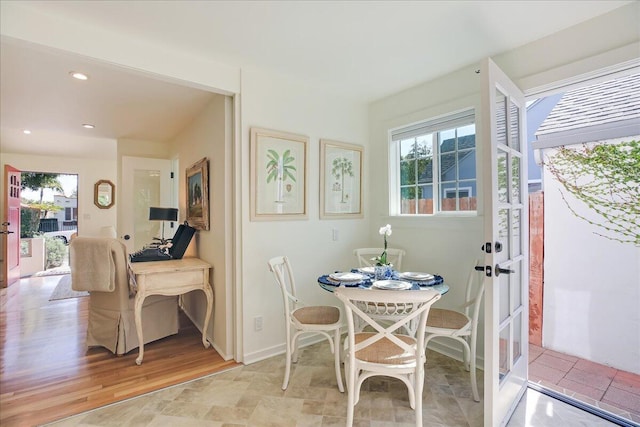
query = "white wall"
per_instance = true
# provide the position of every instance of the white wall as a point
(282, 103)
(89, 171)
(210, 136)
(591, 285)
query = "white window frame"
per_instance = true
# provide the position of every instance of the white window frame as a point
(447, 121)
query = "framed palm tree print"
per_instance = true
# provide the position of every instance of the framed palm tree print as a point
(278, 175)
(340, 180)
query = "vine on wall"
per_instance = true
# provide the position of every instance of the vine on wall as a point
(606, 178)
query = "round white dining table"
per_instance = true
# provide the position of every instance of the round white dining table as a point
(328, 283)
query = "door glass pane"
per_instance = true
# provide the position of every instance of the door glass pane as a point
(503, 230)
(503, 190)
(515, 179)
(501, 118)
(516, 233)
(515, 284)
(503, 367)
(514, 128)
(504, 297)
(517, 337)
(146, 184)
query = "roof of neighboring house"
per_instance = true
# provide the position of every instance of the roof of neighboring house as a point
(601, 104)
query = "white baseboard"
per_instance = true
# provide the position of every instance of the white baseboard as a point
(453, 350)
(199, 326)
(280, 349)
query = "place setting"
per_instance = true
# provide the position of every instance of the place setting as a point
(420, 279)
(346, 279)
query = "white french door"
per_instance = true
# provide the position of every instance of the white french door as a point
(145, 183)
(506, 219)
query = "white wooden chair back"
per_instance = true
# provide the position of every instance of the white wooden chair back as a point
(364, 256)
(283, 275)
(462, 325)
(380, 349)
(301, 319)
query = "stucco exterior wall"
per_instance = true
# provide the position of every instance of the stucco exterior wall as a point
(591, 286)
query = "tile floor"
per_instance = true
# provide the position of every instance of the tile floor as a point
(598, 385)
(251, 396)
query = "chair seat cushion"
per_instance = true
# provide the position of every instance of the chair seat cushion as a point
(446, 319)
(385, 351)
(317, 315)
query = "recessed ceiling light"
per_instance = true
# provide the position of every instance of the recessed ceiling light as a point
(88, 126)
(26, 132)
(79, 76)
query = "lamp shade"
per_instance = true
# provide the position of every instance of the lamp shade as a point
(163, 214)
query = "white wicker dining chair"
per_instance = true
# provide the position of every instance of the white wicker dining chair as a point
(301, 319)
(365, 255)
(385, 351)
(461, 325)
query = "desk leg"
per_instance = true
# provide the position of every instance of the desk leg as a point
(138, 318)
(209, 293)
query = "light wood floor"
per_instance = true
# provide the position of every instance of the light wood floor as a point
(47, 373)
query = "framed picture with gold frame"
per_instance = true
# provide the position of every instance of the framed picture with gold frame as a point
(197, 182)
(340, 180)
(278, 175)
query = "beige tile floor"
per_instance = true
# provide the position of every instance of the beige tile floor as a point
(251, 396)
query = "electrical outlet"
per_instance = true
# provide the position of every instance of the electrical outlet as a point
(257, 323)
(335, 234)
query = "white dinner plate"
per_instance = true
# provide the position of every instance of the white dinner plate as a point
(412, 275)
(347, 277)
(368, 270)
(393, 285)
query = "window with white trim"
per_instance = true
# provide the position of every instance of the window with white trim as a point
(435, 165)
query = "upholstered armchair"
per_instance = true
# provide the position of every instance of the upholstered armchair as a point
(100, 265)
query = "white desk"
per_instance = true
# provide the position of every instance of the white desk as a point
(173, 277)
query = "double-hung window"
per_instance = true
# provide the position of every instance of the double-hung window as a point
(435, 165)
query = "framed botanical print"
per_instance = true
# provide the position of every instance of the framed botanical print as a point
(278, 175)
(340, 180)
(197, 181)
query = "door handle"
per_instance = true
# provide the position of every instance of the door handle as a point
(6, 232)
(499, 270)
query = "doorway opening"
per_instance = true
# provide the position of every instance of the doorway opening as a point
(48, 221)
(576, 299)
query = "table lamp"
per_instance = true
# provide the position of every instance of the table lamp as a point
(163, 214)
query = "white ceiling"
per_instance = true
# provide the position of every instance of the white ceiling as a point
(364, 49)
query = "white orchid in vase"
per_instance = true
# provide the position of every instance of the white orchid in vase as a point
(382, 259)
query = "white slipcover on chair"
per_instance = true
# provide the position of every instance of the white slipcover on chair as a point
(99, 265)
(462, 325)
(323, 320)
(364, 256)
(385, 352)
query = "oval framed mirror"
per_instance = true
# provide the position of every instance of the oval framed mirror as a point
(104, 194)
